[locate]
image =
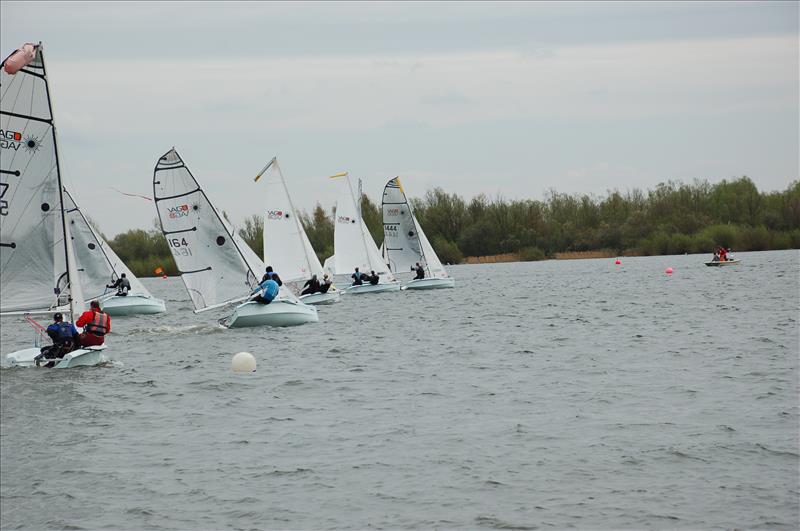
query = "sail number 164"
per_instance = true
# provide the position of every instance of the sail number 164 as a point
(179, 246)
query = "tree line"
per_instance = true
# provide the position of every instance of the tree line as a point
(673, 218)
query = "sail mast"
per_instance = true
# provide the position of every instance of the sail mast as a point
(298, 225)
(360, 219)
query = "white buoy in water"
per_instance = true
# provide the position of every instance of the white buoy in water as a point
(243, 362)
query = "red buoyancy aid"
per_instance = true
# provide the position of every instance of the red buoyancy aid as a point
(99, 324)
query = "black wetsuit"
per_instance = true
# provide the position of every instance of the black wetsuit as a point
(311, 286)
(324, 287)
(374, 279)
(420, 273)
(274, 276)
(357, 276)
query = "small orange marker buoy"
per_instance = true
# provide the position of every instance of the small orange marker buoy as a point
(668, 271)
(617, 262)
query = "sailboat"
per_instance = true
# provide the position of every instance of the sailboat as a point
(98, 264)
(38, 271)
(217, 267)
(286, 245)
(405, 243)
(354, 246)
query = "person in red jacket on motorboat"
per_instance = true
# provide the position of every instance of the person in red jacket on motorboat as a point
(96, 324)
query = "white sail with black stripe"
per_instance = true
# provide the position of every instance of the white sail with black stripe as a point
(216, 265)
(37, 264)
(98, 264)
(405, 243)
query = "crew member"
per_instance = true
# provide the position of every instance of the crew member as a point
(122, 284)
(326, 283)
(65, 337)
(373, 278)
(269, 290)
(420, 272)
(96, 324)
(311, 286)
(272, 275)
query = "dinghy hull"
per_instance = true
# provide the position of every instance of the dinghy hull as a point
(133, 305)
(82, 357)
(277, 313)
(369, 288)
(431, 283)
(321, 298)
(721, 263)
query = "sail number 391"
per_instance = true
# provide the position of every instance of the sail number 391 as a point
(179, 246)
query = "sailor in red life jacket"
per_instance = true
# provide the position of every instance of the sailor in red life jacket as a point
(95, 323)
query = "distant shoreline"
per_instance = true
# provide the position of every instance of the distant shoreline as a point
(515, 257)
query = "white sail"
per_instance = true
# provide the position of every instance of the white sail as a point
(36, 260)
(98, 264)
(405, 243)
(353, 244)
(286, 245)
(216, 265)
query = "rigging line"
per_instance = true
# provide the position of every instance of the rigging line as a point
(131, 195)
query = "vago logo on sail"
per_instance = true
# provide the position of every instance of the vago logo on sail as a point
(13, 140)
(276, 214)
(178, 211)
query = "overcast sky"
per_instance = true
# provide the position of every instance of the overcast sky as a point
(508, 99)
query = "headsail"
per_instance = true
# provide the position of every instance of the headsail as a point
(216, 265)
(354, 246)
(36, 261)
(98, 264)
(286, 245)
(405, 241)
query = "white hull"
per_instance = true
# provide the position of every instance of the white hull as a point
(133, 305)
(721, 263)
(321, 298)
(276, 313)
(82, 357)
(369, 288)
(431, 283)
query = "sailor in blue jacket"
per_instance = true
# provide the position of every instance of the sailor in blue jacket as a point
(269, 290)
(65, 338)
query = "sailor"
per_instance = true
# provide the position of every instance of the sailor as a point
(311, 286)
(373, 278)
(269, 290)
(96, 324)
(271, 275)
(65, 337)
(420, 272)
(357, 278)
(122, 284)
(326, 283)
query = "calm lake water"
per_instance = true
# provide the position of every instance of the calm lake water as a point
(533, 395)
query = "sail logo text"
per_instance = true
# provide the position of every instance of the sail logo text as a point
(393, 211)
(10, 139)
(345, 219)
(178, 211)
(274, 214)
